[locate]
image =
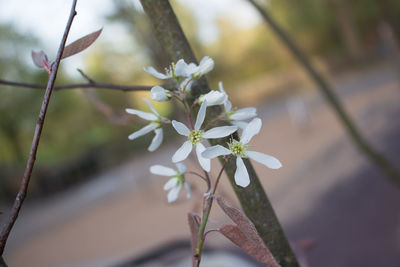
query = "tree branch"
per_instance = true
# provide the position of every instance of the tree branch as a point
(93, 84)
(253, 199)
(35, 142)
(358, 139)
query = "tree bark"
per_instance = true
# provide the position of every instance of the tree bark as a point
(253, 199)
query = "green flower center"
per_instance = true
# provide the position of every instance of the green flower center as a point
(195, 136)
(238, 149)
(170, 70)
(181, 178)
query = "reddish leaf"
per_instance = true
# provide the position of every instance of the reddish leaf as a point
(245, 235)
(240, 219)
(39, 59)
(80, 44)
(194, 225)
(254, 249)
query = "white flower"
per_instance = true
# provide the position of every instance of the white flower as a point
(196, 136)
(176, 182)
(240, 150)
(155, 125)
(213, 98)
(237, 117)
(182, 69)
(159, 94)
(192, 70)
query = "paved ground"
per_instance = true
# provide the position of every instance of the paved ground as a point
(326, 191)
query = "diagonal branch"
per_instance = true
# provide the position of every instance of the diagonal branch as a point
(332, 99)
(93, 84)
(35, 142)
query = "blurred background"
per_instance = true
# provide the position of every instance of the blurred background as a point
(92, 200)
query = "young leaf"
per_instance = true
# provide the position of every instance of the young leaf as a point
(254, 249)
(194, 225)
(80, 44)
(39, 59)
(240, 219)
(245, 235)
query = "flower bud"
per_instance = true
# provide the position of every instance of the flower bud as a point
(213, 98)
(159, 94)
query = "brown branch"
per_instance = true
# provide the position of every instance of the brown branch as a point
(111, 86)
(35, 142)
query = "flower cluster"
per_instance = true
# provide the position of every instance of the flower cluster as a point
(237, 119)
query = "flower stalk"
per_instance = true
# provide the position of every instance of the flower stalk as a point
(206, 212)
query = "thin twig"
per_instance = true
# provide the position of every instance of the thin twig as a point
(35, 142)
(219, 176)
(110, 86)
(84, 75)
(101, 106)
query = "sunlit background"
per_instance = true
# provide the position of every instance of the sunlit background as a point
(92, 200)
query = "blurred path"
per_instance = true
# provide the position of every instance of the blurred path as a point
(326, 191)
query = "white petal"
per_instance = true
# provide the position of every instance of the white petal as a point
(181, 167)
(158, 93)
(171, 183)
(180, 128)
(201, 115)
(189, 189)
(181, 68)
(151, 107)
(162, 170)
(146, 129)
(183, 152)
(155, 73)
(244, 114)
(214, 98)
(144, 115)
(221, 87)
(206, 65)
(251, 130)
(265, 159)
(174, 193)
(204, 163)
(241, 124)
(228, 106)
(219, 132)
(241, 175)
(191, 68)
(215, 151)
(157, 140)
